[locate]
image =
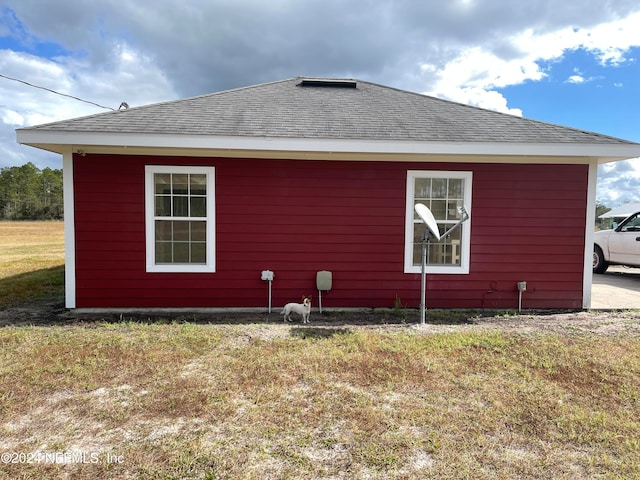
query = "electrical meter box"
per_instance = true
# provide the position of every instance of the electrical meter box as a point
(324, 280)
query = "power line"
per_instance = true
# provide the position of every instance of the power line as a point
(57, 93)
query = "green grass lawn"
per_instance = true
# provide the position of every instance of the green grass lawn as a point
(256, 401)
(179, 400)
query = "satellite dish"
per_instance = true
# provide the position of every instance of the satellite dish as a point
(427, 217)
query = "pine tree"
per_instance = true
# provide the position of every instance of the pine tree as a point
(27, 193)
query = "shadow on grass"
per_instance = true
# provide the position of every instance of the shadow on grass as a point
(35, 287)
(315, 333)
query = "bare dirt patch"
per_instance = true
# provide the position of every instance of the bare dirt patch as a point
(593, 322)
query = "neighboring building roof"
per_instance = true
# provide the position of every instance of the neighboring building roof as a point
(622, 211)
(323, 109)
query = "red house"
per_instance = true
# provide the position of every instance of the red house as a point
(185, 203)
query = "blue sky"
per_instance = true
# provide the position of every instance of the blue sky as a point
(571, 63)
(581, 93)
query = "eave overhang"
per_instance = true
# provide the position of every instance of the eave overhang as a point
(270, 147)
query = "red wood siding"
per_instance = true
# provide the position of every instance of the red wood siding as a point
(298, 217)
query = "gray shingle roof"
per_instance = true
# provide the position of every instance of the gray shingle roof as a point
(286, 109)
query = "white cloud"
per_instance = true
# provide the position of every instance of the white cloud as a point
(610, 41)
(619, 182)
(473, 74)
(10, 117)
(479, 97)
(128, 76)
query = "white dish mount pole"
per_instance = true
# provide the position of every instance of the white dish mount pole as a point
(431, 230)
(423, 283)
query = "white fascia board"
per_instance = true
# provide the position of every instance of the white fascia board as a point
(604, 152)
(587, 269)
(69, 230)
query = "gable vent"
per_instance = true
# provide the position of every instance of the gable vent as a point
(324, 82)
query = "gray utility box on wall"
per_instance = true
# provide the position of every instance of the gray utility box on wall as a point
(324, 280)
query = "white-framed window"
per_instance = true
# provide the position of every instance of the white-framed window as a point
(179, 218)
(442, 192)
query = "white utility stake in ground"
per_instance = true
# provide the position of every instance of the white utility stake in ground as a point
(268, 275)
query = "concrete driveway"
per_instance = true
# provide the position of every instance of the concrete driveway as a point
(618, 288)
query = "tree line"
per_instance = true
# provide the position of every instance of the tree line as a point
(28, 193)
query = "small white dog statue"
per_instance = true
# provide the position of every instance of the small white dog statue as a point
(303, 309)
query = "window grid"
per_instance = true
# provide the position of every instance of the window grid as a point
(442, 196)
(180, 196)
(180, 241)
(443, 192)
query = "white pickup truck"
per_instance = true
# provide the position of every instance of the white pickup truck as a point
(618, 246)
